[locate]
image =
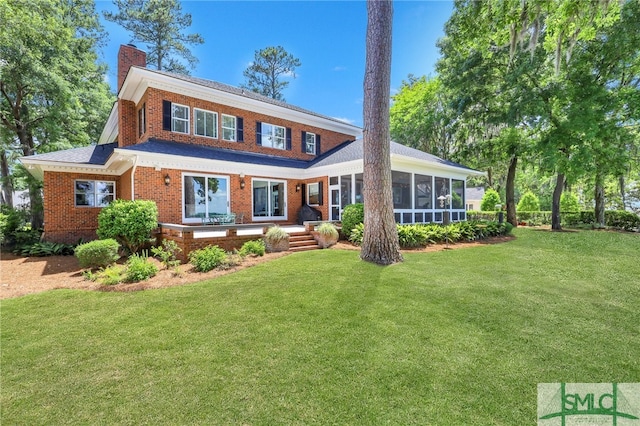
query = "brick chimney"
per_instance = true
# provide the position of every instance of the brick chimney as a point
(128, 56)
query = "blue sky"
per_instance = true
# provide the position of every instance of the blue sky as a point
(327, 36)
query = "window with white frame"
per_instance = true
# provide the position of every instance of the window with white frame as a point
(313, 194)
(310, 143)
(204, 195)
(273, 136)
(228, 128)
(205, 123)
(142, 120)
(94, 193)
(179, 118)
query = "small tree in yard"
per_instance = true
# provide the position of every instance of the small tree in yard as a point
(128, 222)
(489, 201)
(529, 203)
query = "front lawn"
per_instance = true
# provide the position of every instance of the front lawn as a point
(450, 337)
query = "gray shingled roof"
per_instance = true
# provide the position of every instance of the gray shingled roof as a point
(241, 92)
(355, 151)
(94, 154)
(474, 193)
(209, 153)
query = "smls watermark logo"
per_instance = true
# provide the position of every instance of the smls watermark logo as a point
(568, 404)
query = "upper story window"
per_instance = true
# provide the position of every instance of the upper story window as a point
(179, 118)
(94, 193)
(142, 119)
(205, 123)
(229, 123)
(273, 136)
(310, 143)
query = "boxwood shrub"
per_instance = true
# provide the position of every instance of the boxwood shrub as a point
(98, 253)
(128, 222)
(352, 215)
(208, 258)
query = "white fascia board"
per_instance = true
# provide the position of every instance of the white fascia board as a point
(139, 79)
(110, 131)
(420, 166)
(345, 168)
(37, 168)
(177, 162)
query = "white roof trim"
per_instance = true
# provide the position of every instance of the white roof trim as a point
(110, 131)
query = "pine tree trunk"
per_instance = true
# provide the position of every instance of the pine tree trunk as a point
(510, 191)
(622, 192)
(555, 206)
(599, 196)
(380, 242)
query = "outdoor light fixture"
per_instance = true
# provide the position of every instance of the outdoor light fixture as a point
(241, 180)
(298, 187)
(167, 180)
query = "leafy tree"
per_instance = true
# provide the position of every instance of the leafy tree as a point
(419, 116)
(161, 25)
(569, 202)
(380, 243)
(52, 91)
(267, 69)
(529, 203)
(489, 201)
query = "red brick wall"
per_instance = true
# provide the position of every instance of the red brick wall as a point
(154, 98)
(63, 221)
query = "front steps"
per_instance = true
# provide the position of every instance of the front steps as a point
(302, 241)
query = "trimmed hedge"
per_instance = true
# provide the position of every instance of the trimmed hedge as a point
(619, 219)
(128, 222)
(352, 215)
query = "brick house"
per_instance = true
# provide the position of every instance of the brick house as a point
(197, 147)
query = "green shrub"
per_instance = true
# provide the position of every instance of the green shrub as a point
(411, 236)
(622, 219)
(167, 253)
(128, 222)
(139, 268)
(111, 275)
(254, 247)
(98, 253)
(357, 234)
(231, 260)
(207, 258)
(352, 215)
(489, 200)
(529, 202)
(11, 220)
(25, 236)
(45, 248)
(569, 202)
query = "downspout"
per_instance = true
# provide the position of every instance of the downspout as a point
(133, 173)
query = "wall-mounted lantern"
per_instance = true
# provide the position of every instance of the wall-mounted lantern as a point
(242, 181)
(167, 180)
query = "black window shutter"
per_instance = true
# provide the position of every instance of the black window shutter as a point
(258, 133)
(239, 129)
(166, 115)
(318, 145)
(304, 193)
(320, 192)
(304, 142)
(288, 138)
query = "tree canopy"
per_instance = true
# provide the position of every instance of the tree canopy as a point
(161, 25)
(53, 93)
(269, 66)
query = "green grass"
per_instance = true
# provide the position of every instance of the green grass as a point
(452, 337)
